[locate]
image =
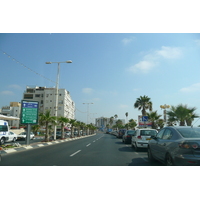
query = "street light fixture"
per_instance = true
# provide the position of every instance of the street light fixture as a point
(57, 85)
(88, 111)
(164, 111)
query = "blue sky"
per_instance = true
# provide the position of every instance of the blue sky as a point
(109, 69)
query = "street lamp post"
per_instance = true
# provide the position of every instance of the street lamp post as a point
(88, 111)
(57, 85)
(164, 111)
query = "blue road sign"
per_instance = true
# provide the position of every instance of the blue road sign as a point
(144, 118)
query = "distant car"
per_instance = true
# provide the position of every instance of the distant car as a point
(176, 146)
(142, 137)
(10, 137)
(126, 138)
(121, 133)
(22, 136)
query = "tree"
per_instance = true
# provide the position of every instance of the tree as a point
(111, 120)
(72, 122)
(181, 114)
(143, 103)
(160, 123)
(132, 123)
(46, 119)
(62, 121)
(153, 117)
(35, 128)
(126, 114)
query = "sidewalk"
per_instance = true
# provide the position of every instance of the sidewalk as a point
(40, 144)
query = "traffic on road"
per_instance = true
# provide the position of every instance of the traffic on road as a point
(170, 146)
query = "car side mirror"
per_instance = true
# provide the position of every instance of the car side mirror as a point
(153, 137)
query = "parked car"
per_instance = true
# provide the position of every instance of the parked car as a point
(142, 137)
(121, 132)
(10, 137)
(126, 138)
(22, 136)
(176, 146)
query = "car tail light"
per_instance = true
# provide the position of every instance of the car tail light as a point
(139, 137)
(189, 145)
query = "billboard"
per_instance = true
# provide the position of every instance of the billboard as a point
(144, 122)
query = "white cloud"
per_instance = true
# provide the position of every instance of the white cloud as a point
(87, 90)
(193, 88)
(153, 58)
(123, 106)
(14, 86)
(169, 52)
(7, 92)
(142, 66)
(126, 41)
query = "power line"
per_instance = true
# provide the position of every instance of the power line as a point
(18, 62)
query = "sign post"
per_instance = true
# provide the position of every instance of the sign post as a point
(29, 115)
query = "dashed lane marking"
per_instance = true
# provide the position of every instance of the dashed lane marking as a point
(88, 145)
(75, 153)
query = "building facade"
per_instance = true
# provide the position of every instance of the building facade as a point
(47, 100)
(101, 122)
(13, 110)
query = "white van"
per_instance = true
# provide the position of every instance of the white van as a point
(5, 134)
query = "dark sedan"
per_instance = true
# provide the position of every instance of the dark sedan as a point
(126, 138)
(121, 133)
(176, 146)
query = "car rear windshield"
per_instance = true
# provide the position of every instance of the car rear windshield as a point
(189, 132)
(131, 132)
(148, 133)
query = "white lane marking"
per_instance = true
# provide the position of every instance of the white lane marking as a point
(94, 141)
(75, 153)
(88, 145)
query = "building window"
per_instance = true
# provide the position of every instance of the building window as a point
(28, 96)
(37, 95)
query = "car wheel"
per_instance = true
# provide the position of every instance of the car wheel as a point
(132, 145)
(14, 139)
(150, 156)
(136, 148)
(169, 160)
(2, 141)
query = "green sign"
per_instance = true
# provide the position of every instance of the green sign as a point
(29, 112)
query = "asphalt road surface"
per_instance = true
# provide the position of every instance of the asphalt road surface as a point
(98, 150)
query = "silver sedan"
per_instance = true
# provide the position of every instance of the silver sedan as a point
(176, 146)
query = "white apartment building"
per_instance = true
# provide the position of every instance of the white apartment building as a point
(47, 98)
(13, 110)
(101, 122)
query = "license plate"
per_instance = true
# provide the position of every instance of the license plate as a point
(148, 139)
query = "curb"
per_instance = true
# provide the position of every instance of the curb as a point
(40, 144)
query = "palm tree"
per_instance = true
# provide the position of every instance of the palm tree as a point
(153, 117)
(62, 121)
(72, 122)
(35, 128)
(115, 116)
(126, 114)
(46, 119)
(143, 103)
(111, 121)
(78, 124)
(181, 114)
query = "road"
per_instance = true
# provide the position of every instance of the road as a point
(98, 150)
